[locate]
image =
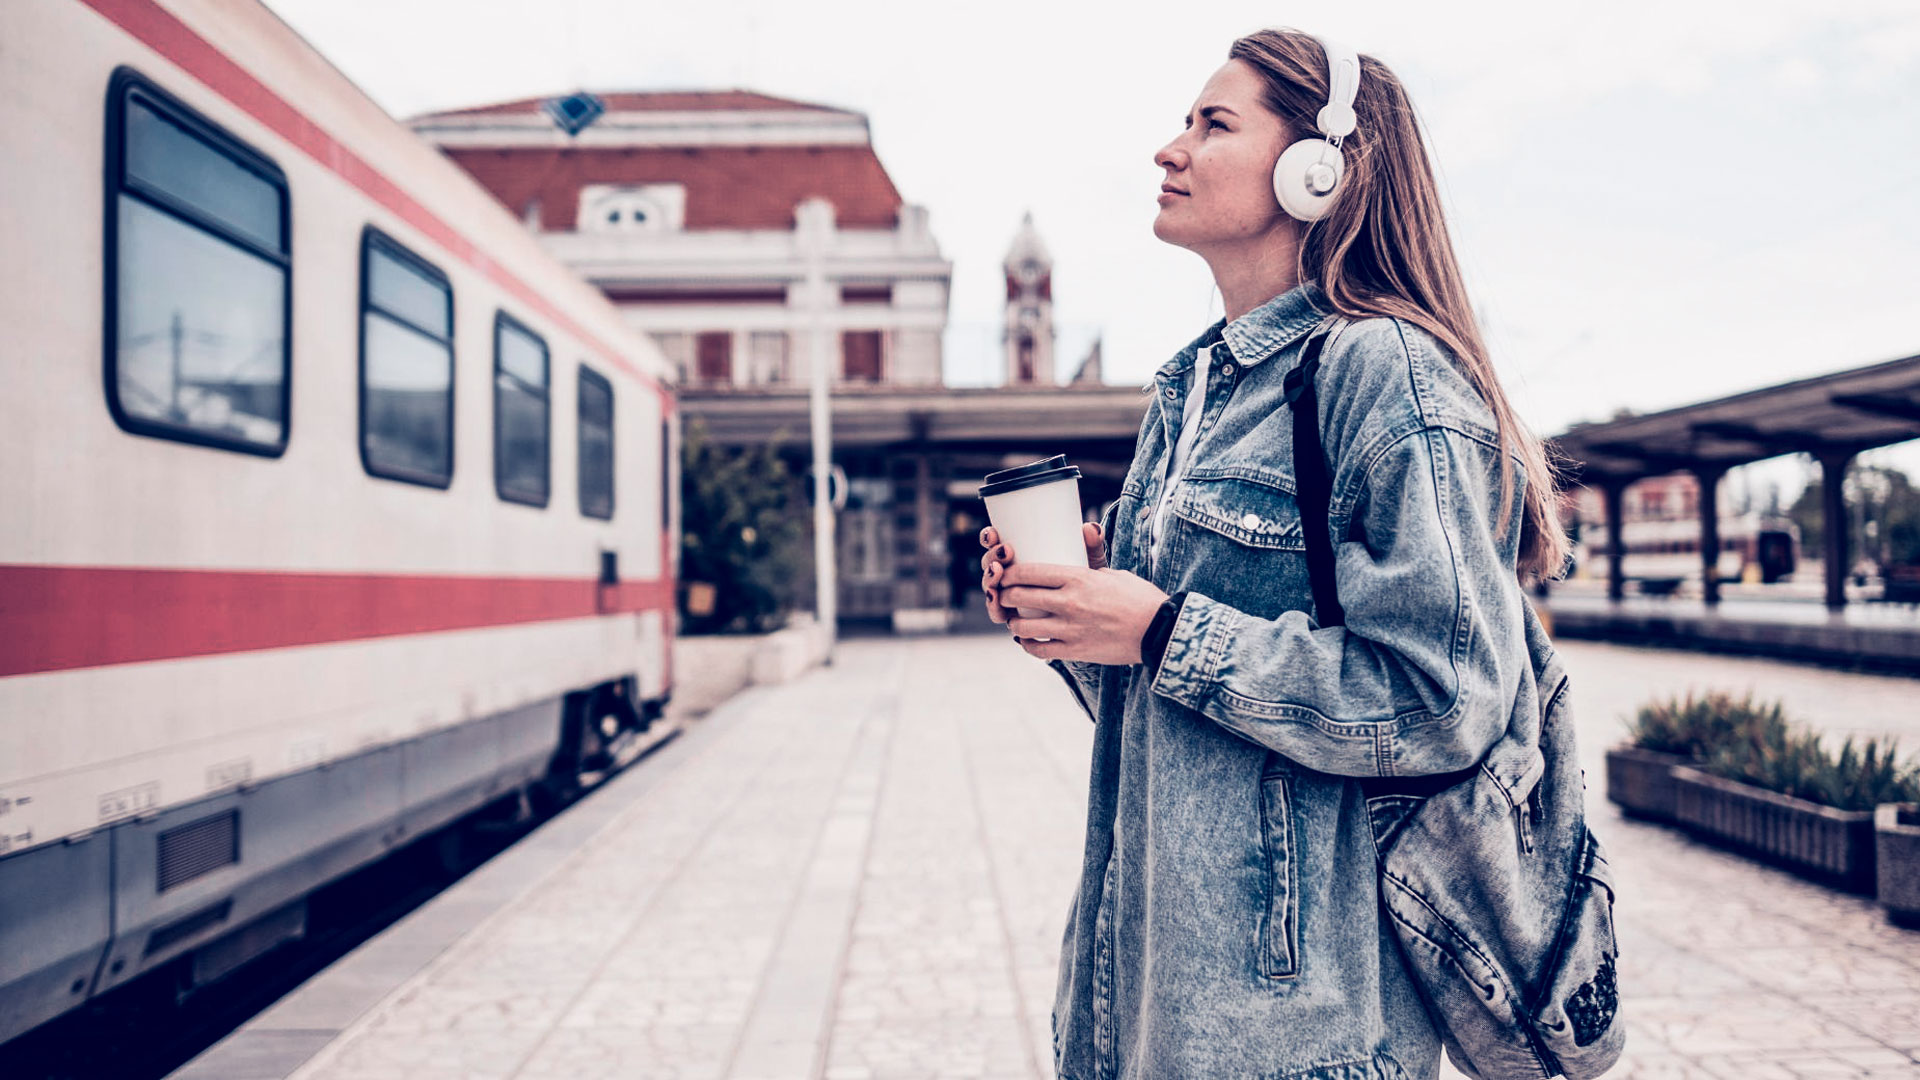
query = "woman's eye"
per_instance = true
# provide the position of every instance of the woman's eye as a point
(1216, 124)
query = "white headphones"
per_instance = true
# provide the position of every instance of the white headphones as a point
(1308, 174)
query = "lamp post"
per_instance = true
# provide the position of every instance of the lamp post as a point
(814, 219)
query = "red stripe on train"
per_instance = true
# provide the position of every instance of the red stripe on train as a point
(165, 34)
(57, 618)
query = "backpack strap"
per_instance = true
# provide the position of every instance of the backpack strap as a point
(1315, 483)
(1311, 475)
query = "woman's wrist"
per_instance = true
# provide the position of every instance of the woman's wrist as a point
(1153, 643)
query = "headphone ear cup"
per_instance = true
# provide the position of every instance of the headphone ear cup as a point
(1300, 163)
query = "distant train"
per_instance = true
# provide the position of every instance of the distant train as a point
(332, 507)
(1754, 547)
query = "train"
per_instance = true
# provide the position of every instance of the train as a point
(333, 508)
(1755, 547)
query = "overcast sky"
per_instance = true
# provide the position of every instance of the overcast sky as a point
(1654, 203)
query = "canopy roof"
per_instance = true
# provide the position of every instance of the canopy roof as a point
(1842, 413)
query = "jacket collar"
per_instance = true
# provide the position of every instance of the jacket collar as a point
(1259, 333)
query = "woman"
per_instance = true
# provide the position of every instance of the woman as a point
(1226, 922)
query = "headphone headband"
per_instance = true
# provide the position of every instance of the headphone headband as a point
(1337, 120)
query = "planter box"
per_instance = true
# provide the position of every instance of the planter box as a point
(1896, 829)
(1828, 845)
(1641, 782)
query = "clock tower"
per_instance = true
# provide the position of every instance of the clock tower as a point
(1029, 328)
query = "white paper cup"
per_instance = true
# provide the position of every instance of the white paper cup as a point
(1036, 510)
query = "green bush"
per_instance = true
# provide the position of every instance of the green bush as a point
(1692, 727)
(1753, 743)
(741, 532)
(1793, 762)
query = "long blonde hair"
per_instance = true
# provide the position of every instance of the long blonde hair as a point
(1383, 249)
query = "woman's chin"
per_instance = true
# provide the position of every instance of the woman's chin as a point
(1169, 231)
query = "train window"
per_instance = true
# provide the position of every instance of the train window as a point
(406, 364)
(199, 277)
(520, 416)
(596, 445)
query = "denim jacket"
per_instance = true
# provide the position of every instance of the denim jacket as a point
(1226, 922)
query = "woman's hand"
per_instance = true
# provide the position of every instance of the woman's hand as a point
(1096, 614)
(1000, 556)
(1092, 615)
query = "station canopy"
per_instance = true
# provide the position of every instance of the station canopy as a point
(1828, 416)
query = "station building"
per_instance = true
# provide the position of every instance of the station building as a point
(687, 210)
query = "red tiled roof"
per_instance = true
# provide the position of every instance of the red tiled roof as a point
(654, 101)
(728, 187)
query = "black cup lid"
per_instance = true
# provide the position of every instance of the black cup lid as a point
(1045, 471)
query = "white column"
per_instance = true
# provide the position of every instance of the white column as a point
(814, 221)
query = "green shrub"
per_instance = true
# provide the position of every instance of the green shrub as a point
(1692, 727)
(741, 531)
(1793, 762)
(1753, 743)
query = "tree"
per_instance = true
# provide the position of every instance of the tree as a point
(740, 533)
(1883, 516)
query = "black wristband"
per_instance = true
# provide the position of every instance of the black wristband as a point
(1153, 643)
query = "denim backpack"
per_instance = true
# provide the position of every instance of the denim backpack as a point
(1499, 895)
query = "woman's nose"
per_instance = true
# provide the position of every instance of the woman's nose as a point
(1170, 156)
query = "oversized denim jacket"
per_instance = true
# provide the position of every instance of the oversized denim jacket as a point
(1226, 923)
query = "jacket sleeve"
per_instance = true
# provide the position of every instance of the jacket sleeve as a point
(1423, 677)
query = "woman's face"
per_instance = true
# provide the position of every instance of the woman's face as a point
(1219, 171)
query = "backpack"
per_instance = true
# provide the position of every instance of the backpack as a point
(1499, 895)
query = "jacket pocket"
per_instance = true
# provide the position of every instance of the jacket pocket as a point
(1578, 1016)
(1279, 940)
(1253, 513)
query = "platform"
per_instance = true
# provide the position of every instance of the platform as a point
(863, 874)
(1752, 621)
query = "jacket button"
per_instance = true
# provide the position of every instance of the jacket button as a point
(1170, 392)
(1250, 521)
(1226, 369)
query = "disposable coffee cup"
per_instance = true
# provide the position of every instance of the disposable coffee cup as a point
(1036, 510)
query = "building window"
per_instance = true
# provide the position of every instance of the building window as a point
(199, 277)
(520, 417)
(867, 531)
(768, 351)
(678, 349)
(632, 208)
(596, 445)
(406, 364)
(860, 355)
(713, 357)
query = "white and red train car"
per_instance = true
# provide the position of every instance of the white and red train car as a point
(331, 506)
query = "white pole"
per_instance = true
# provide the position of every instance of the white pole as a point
(815, 220)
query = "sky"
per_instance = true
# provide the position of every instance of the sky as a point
(1653, 203)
